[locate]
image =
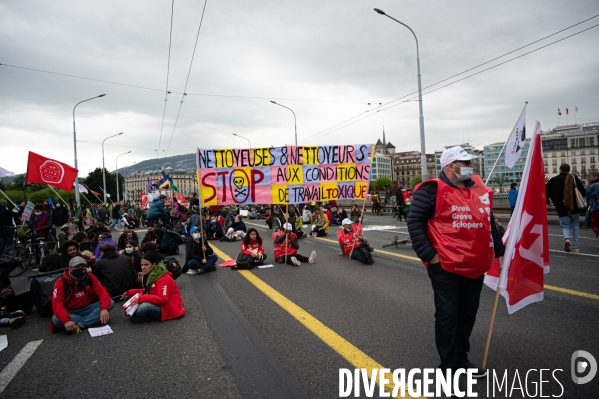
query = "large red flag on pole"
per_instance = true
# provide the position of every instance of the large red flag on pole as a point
(44, 170)
(526, 258)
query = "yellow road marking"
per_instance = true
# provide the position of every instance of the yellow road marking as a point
(548, 287)
(349, 352)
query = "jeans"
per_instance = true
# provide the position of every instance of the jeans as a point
(210, 261)
(456, 304)
(5, 241)
(148, 309)
(355, 254)
(115, 222)
(573, 223)
(85, 317)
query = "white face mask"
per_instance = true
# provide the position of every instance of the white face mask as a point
(465, 173)
(196, 236)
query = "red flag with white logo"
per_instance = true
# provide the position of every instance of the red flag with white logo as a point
(44, 170)
(526, 258)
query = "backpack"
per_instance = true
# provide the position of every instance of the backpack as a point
(41, 289)
(176, 236)
(173, 266)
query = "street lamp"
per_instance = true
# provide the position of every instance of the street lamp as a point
(235, 134)
(294, 119)
(422, 146)
(117, 175)
(103, 168)
(77, 198)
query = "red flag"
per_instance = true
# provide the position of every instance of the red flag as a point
(144, 199)
(526, 257)
(559, 112)
(44, 170)
(97, 194)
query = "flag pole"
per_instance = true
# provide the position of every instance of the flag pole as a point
(201, 216)
(52, 188)
(111, 201)
(504, 144)
(3, 193)
(364, 202)
(93, 194)
(490, 332)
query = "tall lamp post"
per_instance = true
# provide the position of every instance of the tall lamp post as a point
(117, 175)
(235, 134)
(294, 119)
(103, 168)
(77, 198)
(422, 146)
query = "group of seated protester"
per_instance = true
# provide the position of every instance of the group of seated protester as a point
(85, 293)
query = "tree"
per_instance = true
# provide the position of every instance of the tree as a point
(381, 183)
(415, 180)
(19, 182)
(500, 181)
(94, 181)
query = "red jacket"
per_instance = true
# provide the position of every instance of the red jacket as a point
(347, 239)
(77, 299)
(164, 293)
(280, 247)
(253, 245)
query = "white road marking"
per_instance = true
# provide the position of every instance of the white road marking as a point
(570, 253)
(13, 367)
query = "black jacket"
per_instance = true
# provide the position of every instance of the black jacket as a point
(7, 217)
(193, 250)
(423, 209)
(60, 216)
(116, 273)
(555, 192)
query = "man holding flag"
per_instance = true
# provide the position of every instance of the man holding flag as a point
(451, 231)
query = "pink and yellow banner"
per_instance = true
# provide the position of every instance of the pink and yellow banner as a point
(283, 175)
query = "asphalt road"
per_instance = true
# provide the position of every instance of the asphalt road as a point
(284, 332)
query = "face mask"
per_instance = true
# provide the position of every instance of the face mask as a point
(196, 236)
(129, 251)
(58, 205)
(38, 213)
(78, 273)
(465, 173)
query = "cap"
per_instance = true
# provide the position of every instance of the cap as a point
(287, 226)
(346, 221)
(76, 261)
(194, 228)
(65, 227)
(456, 153)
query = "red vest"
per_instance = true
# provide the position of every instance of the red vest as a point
(280, 247)
(461, 228)
(347, 239)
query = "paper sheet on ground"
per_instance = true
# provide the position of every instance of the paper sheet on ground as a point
(265, 266)
(3, 342)
(99, 331)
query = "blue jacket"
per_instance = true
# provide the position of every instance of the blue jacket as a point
(512, 194)
(593, 196)
(423, 208)
(156, 208)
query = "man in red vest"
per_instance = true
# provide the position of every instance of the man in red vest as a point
(451, 231)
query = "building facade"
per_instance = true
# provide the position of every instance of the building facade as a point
(136, 182)
(575, 145)
(407, 165)
(381, 167)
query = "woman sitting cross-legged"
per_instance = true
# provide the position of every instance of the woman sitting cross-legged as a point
(159, 298)
(251, 245)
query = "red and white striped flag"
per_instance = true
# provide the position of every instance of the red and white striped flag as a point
(559, 112)
(526, 258)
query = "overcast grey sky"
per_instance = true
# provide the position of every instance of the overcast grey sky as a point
(341, 55)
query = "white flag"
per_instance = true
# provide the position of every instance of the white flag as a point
(82, 189)
(108, 195)
(516, 142)
(575, 109)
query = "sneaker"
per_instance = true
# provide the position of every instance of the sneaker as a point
(479, 373)
(295, 261)
(312, 257)
(575, 250)
(368, 256)
(567, 245)
(191, 271)
(16, 322)
(363, 257)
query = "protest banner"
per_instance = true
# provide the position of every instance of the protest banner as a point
(283, 175)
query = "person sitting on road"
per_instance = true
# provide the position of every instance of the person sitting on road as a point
(106, 238)
(286, 247)
(81, 239)
(133, 251)
(168, 244)
(89, 257)
(199, 256)
(159, 298)
(352, 242)
(236, 230)
(214, 230)
(157, 209)
(12, 307)
(341, 214)
(297, 223)
(114, 271)
(65, 232)
(251, 245)
(320, 223)
(79, 300)
(126, 236)
(53, 262)
(306, 215)
(355, 214)
(69, 249)
(150, 236)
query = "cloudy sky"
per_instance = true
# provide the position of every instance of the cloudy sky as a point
(324, 59)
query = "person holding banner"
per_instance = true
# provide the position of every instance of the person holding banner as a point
(352, 242)
(286, 247)
(451, 231)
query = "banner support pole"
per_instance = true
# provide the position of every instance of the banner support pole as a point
(287, 240)
(488, 343)
(8, 198)
(364, 202)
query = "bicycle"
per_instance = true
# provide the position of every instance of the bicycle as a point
(17, 251)
(43, 248)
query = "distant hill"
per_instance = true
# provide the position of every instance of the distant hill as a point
(185, 163)
(10, 179)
